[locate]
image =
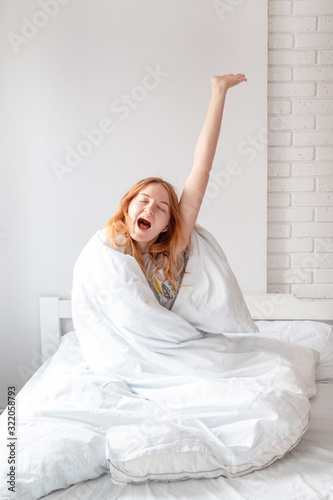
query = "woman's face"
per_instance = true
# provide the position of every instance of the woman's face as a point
(149, 212)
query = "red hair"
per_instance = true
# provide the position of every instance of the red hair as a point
(165, 251)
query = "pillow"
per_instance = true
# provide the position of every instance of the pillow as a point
(77, 454)
(314, 334)
(48, 428)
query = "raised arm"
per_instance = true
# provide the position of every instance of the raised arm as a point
(196, 183)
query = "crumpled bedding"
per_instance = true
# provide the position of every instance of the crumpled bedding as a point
(158, 395)
(218, 403)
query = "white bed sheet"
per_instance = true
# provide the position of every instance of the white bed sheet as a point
(304, 473)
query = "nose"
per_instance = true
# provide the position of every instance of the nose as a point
(150, 208)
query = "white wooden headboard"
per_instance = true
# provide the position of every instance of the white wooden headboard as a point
(261, 306)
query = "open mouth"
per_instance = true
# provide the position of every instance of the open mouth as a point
(144, 224)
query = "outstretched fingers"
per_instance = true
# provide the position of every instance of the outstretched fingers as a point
(241, 77)
(227, 81)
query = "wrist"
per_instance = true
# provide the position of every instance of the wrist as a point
(219, 87)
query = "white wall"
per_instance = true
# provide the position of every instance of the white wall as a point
(73, 73)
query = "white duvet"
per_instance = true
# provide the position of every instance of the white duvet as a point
(161, 395)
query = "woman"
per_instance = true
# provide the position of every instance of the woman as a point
(192, 392)
(152, 225)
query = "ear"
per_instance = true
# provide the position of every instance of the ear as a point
(165, 229)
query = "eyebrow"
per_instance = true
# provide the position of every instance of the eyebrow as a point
(144, 194)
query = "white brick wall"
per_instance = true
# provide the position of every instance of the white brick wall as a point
(300, 148)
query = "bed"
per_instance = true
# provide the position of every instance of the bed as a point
(304, 473)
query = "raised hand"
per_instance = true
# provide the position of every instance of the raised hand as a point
(197, 181)
(225, 82)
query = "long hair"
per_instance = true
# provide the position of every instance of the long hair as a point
(165, 251)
